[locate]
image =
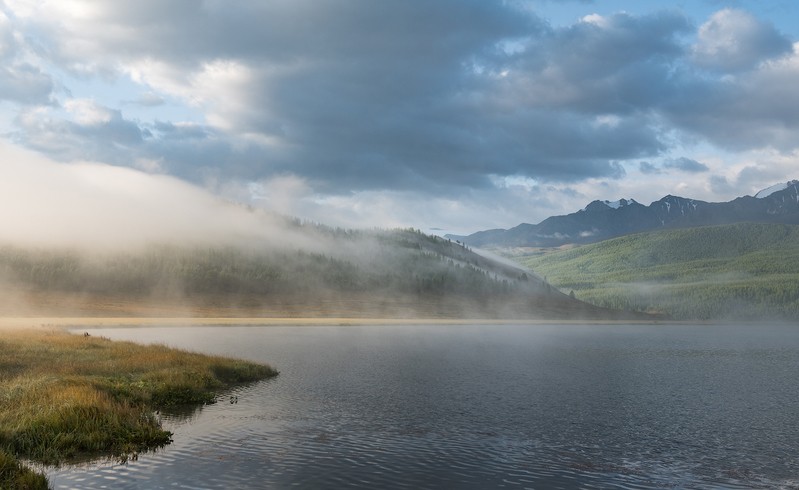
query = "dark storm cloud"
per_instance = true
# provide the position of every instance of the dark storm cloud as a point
(418, 114)
(292, 31)
(453, 143)
(606, 65)
(369, 95)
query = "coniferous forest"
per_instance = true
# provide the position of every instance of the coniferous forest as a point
(374, 273)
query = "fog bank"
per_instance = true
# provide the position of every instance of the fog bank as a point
(47, 203)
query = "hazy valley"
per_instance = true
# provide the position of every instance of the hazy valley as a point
(345, 273)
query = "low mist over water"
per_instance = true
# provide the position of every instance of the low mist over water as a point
(488, 406)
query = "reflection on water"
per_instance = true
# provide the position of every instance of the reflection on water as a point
(493, 406)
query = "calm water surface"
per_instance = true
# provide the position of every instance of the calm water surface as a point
(490, 406)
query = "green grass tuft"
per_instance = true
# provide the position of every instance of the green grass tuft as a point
(13, 475)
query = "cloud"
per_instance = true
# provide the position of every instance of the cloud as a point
(365, 108)
(720, 185)
(25, 84)
(351, 109)
(618, 64)
(99, 206)
(757, 109)
(148, 99)
(88, 113)
(90, 132)
(686, 165)
(648, 169)
(734, 40)
(20, 81)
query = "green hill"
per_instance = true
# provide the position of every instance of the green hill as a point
(741, 271)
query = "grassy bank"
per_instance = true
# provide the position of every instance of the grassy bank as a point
(67, 397)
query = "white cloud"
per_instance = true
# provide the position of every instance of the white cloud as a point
(223, 87)
(735, 40)
(596, 19)
(88, 112)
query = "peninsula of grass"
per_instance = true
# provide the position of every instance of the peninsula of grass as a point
(66, 397)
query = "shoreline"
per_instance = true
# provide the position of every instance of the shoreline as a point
(66, 323)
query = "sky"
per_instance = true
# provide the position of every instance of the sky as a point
(443, 115)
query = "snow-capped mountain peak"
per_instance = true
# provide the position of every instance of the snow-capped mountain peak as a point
(620, 203)
(612, 204)
(601, 220)
(775, 188)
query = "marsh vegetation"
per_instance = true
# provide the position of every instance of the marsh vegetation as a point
(67, 397)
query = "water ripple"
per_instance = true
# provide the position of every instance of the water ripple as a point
(482, 407)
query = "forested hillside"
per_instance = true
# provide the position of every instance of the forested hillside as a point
(167, 270)
(401, 272)
(742, 271)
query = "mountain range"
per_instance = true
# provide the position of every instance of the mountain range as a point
(602, 220)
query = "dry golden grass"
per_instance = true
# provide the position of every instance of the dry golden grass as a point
(65, 397)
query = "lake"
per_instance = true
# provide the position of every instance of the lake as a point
(482, 406)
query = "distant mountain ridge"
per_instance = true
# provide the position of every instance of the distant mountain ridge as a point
(602, 220)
